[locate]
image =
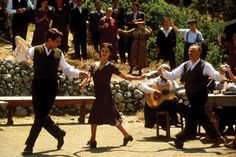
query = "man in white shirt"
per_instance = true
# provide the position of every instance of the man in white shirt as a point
(191, 35)
(47, 58)
(22, 11)
(167, 105)
(194, 73)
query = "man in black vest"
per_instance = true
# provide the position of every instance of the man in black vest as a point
(94, 19)
(119, 14)
(194, 73)
(20, 20)
(78, 27)
(47, 58)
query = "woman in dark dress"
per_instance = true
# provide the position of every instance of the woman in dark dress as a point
(166, 43)
(104, 110)
(42, 21)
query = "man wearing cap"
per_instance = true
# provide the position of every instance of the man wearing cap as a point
(191, 36)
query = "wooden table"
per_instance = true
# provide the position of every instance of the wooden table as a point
(215, 100)
(13, 101)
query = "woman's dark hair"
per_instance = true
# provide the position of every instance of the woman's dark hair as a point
(53, 34)
(108, 45)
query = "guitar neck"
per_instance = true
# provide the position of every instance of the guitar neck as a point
(172, 90)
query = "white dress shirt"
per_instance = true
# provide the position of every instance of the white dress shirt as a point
(166, 32)
(10, 9)
(64, 66)
(192, 35)
(144, 87)
(208, 70)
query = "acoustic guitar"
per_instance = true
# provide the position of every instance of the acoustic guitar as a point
(167, 91)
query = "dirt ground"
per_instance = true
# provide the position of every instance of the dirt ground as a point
(109, 139)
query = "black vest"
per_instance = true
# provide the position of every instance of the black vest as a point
(16, 4)
(46, 67)
(194, 79)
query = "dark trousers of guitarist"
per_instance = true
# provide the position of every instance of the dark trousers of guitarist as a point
(197, 113)
(43, 93)
(150, 113)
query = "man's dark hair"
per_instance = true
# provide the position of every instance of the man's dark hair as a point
(53, 34)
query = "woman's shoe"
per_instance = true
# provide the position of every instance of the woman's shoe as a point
(127, 139)
(92, 144)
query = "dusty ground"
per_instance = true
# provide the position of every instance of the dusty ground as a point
(145, 143)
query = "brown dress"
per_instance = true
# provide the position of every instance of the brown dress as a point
(139, 47)
(104, 110)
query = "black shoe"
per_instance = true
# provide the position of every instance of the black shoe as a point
(207, 140)
(229, 131)
(60, 140)
(92, 144)
(178, 144)
(218, 141)
(127, 139)
(231, 145)
(27, 151)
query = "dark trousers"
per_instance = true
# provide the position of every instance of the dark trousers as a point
(80, 42)
(19, 28)
(129, 46)
(197, 113)
(96, 40)
(121, 48)
(43, 93)
(150, 113)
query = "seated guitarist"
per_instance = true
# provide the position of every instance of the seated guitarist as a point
(166, 105)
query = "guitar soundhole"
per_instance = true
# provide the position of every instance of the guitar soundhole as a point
(165, 92)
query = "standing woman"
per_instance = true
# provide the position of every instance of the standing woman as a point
(108, 32)
(140, 36)
(104, 110)
(42, 21)
(166, 43)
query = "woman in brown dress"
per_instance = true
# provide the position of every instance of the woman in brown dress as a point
(104, 110)
(140, 36)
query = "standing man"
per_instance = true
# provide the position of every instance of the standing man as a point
(131, 18)
(194, 73)
(78, 27)
(94, 19)
(47, 58)
(119, 14)
(20, 20)
(191, 36)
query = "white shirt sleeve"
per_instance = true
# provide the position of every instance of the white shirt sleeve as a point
(144, 87)
(200, 36)
(210, 71)
(183, 33)
(67, 68)
(10, 9)
(174, 74)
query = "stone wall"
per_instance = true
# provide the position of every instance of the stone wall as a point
(16, 78)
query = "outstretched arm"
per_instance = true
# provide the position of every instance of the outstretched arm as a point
(130, 78)
(174, 27)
